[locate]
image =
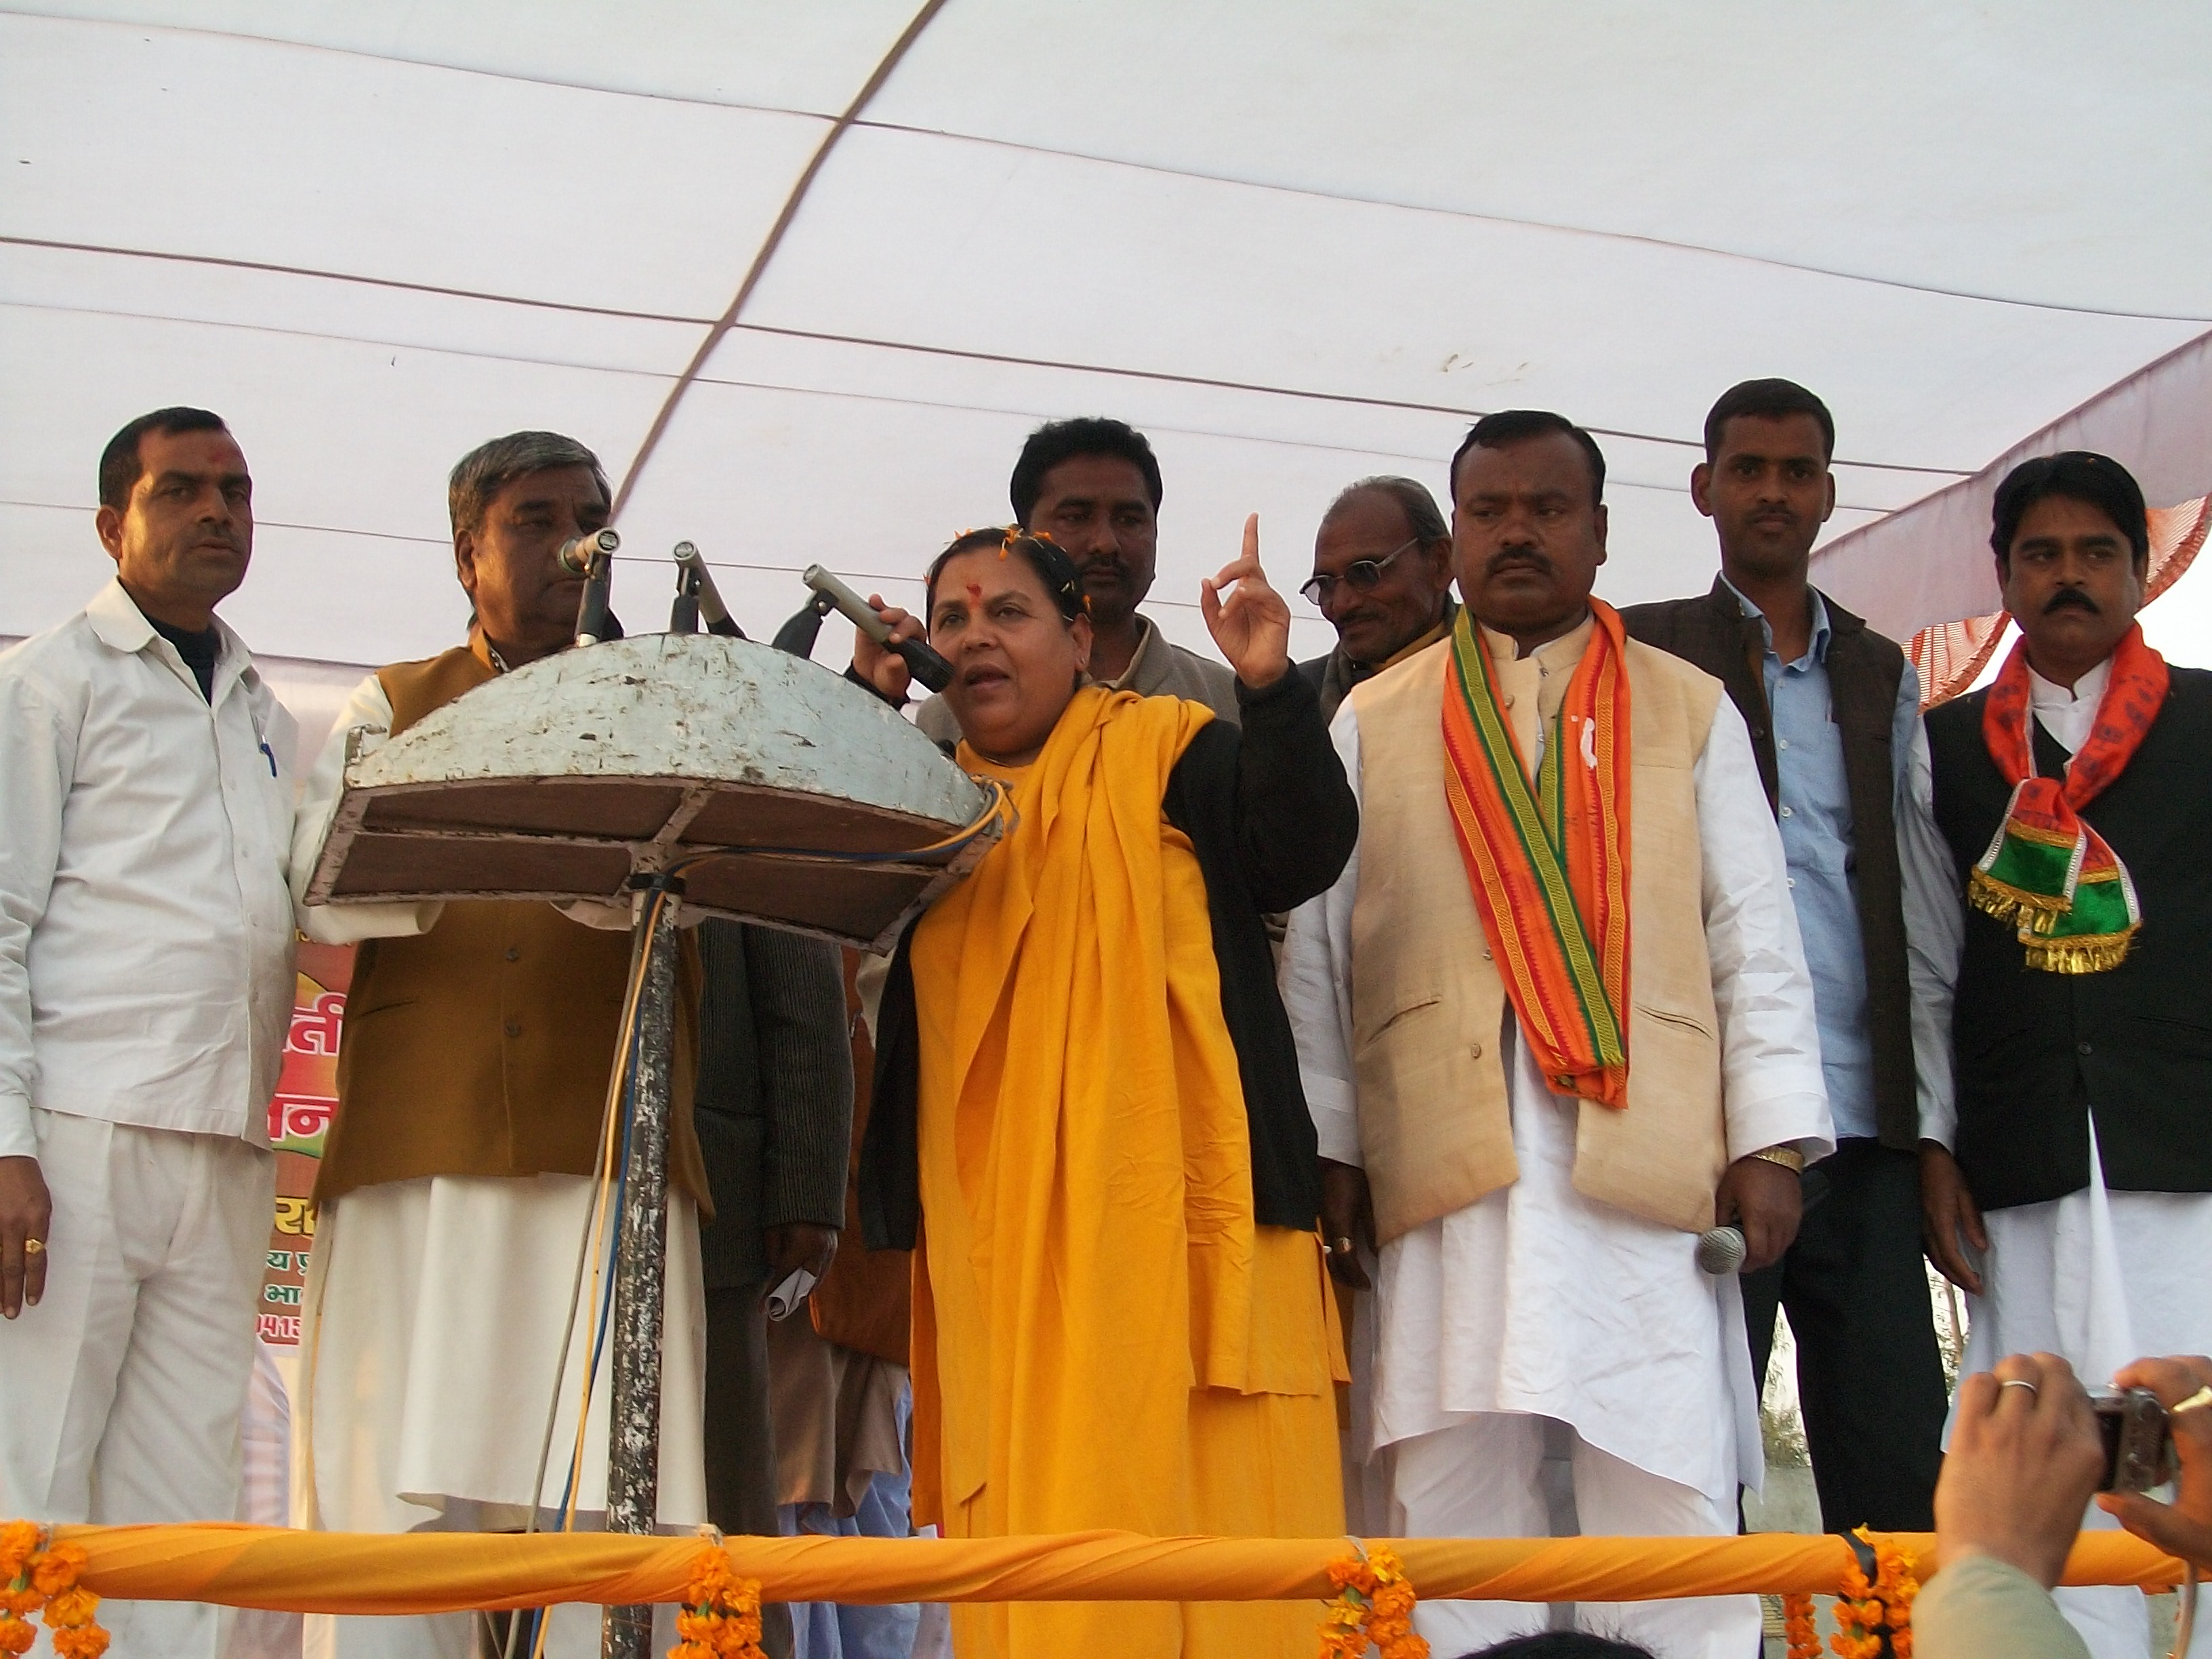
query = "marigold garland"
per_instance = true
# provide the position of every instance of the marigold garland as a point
(1374, 1603)
(1803, 1634)
(720, 1617)
(34, 1573)
(1865, 1611)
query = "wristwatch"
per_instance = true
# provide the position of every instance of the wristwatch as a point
(1788, 1157)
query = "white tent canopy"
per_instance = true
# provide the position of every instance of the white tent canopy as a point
(1295, 244)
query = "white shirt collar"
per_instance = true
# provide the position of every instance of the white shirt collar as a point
(2089, 688)
(120, 625)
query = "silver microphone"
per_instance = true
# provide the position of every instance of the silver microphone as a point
(1721, 1251)
(711, 608)
(578, 551)
(923, 664)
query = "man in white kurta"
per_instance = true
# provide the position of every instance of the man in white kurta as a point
(2064, 1165)
(1536, 1318)
(457, 1296)
(146, 984)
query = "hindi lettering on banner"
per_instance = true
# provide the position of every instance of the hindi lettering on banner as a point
(315, 1023)
(300, 1115)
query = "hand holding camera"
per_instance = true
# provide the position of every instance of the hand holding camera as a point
(2183, 1388)
(2026, 1454)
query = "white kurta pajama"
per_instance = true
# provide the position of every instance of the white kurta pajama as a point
(433, 1333)
(1536, 1307)
(146, 984)
(2098, 1278)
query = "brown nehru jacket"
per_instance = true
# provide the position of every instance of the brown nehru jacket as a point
(483, 1047)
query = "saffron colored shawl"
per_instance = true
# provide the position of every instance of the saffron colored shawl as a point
(1549, 866)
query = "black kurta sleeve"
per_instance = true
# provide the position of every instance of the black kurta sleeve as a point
(1272, 822)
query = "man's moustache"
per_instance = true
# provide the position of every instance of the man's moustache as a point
(1517, 556)
(2066, 596)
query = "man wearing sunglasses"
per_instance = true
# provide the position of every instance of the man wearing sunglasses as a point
(1382, 576)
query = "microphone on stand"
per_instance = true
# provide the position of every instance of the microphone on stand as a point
(697, 598)
(591, 557)
(1721, 1251)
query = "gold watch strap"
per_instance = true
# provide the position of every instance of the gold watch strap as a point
(1788, 1157)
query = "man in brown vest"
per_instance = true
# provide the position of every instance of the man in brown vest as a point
(446, 1347)
(1834, 712)
(1541, 1106)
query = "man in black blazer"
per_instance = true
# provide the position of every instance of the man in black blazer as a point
(1834, 714)
(775, 1116)
(2070, 1189)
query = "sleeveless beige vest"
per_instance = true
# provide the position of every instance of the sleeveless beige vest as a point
(1427, 1004)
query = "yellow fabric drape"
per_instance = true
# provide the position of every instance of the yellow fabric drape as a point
(416, 1572)
(1102, 1336)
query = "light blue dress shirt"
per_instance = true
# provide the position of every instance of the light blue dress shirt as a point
(1820, 844)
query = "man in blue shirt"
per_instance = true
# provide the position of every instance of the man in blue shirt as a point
(1834, 712)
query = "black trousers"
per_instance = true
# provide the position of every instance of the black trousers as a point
(739, 1440)
(1868, 1372)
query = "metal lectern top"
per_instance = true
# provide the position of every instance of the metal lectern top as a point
(559, 780)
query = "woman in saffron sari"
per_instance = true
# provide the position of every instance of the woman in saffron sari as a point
(1088, 1122)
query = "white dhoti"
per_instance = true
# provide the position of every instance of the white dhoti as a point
(1536, 1316)
(2100, 1279)
(441, 1363)
(1536, 1320)
(124, 1386)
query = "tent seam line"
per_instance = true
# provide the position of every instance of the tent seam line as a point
(784, 221)
(963, 353)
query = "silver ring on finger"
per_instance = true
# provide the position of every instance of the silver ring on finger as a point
(2017, 1383)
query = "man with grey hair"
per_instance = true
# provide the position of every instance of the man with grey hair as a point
(446, 1349)
(1382, 576)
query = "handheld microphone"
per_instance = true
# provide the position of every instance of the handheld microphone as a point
(1721, 1251)
(923, 664)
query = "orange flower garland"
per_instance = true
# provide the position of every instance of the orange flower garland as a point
(19, 1541)
(35, 1573)
(720, 1617)
(1864, 1610)
(1803, 1635)
(1374, 1603)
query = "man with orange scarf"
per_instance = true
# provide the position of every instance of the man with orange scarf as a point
(2070, 1188)
(1554, 1023)
(1086, 1120)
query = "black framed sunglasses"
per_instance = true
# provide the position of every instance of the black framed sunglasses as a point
(1361, 574)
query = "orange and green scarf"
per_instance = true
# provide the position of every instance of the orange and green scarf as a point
(1549, 866)
(2047, 869)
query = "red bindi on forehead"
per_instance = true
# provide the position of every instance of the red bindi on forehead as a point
(974, 593)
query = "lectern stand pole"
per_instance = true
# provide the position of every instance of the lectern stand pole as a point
(641, 1252)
